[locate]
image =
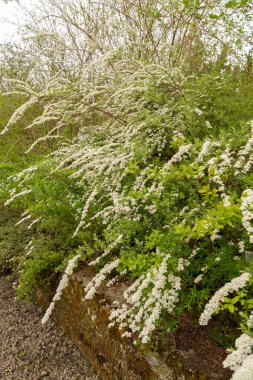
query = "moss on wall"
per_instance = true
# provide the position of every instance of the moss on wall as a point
(113, 357)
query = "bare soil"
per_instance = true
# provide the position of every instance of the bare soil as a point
(199, 350)
(30, 351)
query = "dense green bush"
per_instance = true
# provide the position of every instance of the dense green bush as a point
(189, 209)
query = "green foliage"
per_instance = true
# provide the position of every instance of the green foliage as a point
(107, 176)
(53, 202)
(241, 303)
(12, 240)
(17, 141)
(160, 224)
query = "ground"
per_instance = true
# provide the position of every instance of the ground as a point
(30, 351)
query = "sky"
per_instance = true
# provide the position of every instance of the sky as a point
(9, 16)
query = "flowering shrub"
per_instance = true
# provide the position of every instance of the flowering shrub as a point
(142, 183)
(126, 139)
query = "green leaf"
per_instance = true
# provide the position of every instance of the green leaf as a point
(213, 16)
(231, 308)
(235, 299)
(231, 4)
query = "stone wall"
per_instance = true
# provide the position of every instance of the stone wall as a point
(113, 357)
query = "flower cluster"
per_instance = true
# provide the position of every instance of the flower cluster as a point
(17, 195)
(62, 285)
(245, 371)
(108, 250)
(19, 113)
(213, 304)
(34, 222)
(141, 317)
(243, 349)
(182, 152)
(242, 165)
(92, 286)
(85, 211)
(29, 247)
(23, 220)
(247, 212)
(205, 150)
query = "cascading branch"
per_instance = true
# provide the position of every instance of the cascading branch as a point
(172, 200)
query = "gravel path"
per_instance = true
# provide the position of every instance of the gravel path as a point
(30, 351)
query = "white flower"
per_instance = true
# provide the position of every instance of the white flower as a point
(198, 111)
(145, 311)
(85, 211)
(245, 372)
(215, 235)
(241, 246)
(243, 346)
(247, 212)
(62, 285)
(182, 152)
(23, 220)
(242, 164)
(17, 196)
(206, 147)
(198, 279)
(180, 265)
(19, 113)
(97, 280)
(33, 223)
(109, 249)
(48, 313)
(234, 285)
